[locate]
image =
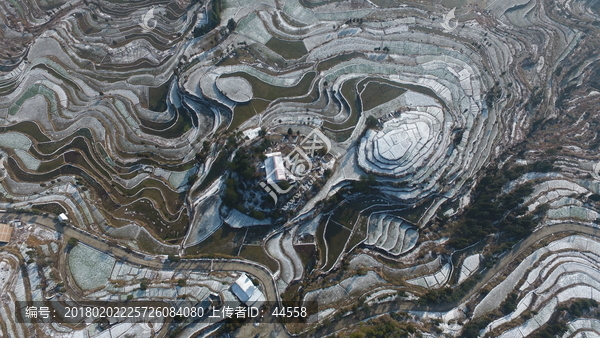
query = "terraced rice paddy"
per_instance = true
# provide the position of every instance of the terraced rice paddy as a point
(391, 234)
(289, 49)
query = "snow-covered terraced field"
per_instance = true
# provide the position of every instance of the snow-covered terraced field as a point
(549, 191)
(281, 248)
(564, 270)
(433, 281)
(12, 289)
(350, 287)
(162, 285)
(366, 261)
(469, 266)
(499, 293)
(391, 234)
(90, 268)
(583, 328)
(403, 144)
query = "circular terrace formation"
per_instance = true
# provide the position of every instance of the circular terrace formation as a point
(235, 88)
(404, 144)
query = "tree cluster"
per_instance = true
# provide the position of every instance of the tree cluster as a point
(492, 212)
(551, 330)
(232, 197)
(365, 183)
(448, 294)
(214, 19)
(231, 25)
(494, 94)
(371, 122)
(354, 20)
(242, 165)
(510, 303)
(581, 305)
(72, 241)
(471, 329)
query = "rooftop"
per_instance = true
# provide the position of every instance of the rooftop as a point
(5, 232)
(274, 167)
(246, 291)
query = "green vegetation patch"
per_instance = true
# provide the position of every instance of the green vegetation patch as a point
(580, 306)
(307, 254)
(329, 63)
(556, 329)
(224, 242)
(320, 241)
(310, 97)
(143, 210)
(286, 48)
(243, 112)
(347, 214)
(157, 97)
(471, 330)
(352, 103)
(181, 123)
(336, 237)
(214, 19)
(29, 128)
(448, 294)
(50, 165)
(149, 244)
(378, 93)
(83, 158)
(413, 215)
(359, 234)
(256, 253)
(53, 208)
(388, 325)
(349, 92)
(48, 148)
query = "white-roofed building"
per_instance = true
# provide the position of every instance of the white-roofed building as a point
(63, 218)
(274, 167)
(247, 292)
